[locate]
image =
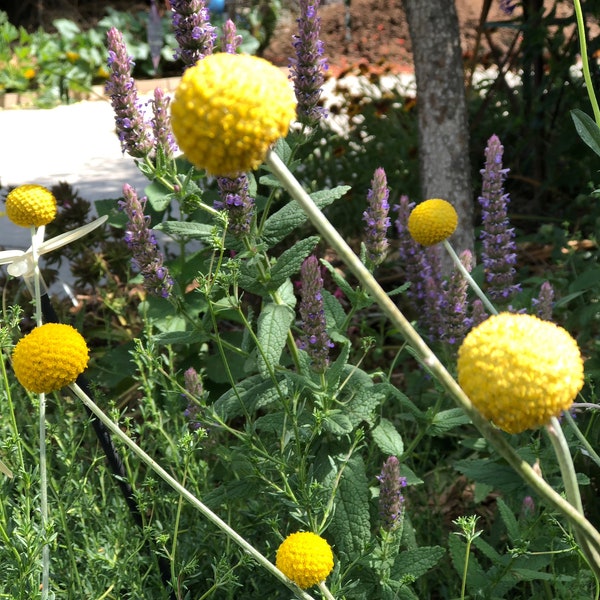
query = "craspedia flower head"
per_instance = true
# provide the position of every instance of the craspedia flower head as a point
(520, 371)
(432, 221)
(227, 111)
(306, 558)
(49, 358)
(31, 205)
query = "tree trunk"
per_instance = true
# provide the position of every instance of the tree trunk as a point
(442, 111)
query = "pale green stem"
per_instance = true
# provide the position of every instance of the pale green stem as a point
(582, 439)
(37, 300)
(171, 481)
(585, 61)
(469, 278)
(567, 470)
(325, 591)
(496, 439)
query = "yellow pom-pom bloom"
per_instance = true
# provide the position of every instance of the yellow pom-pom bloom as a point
(228, 109)
(432, 221)
(50, 357)
(520, 371)
(31, 206)
(305, 557)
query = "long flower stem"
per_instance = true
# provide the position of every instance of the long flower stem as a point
(37, 300)
(171, 481)
(585, 64)
(469, 278)
(493, 436)
(567, 470)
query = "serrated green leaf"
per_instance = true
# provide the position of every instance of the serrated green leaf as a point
(446, 420)
(364, 402)
(350, 527)
(291, 260)
(388, 440)
(178, 337)
(250, 395)
(196, 231)
(286, 293)
(509, 520)
(291, 216)
(476, 576)
(501, 477)
(334, 313)
(158, 195)
(417, 562)
(337, 423)
(273, 326)
(587, 129)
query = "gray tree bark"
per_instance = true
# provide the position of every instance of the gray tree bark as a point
(445, 170)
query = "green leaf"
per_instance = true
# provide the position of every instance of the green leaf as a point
(248, 396)
(446, 420)
(291, 260)
(587, 129)
(512, 527)
(388, 440)
(417, 562)
(350, 526)
(476, 576)
(337, 422)
(178, 337)
(334, 312)
(159, 196)
(291, 216)
(273, 326)
(499, 476)
(196, 231)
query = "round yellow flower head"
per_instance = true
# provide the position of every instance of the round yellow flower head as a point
(305, 557)
(432, 221)
(50, 357)
(228, 109)
(520, 371)
(31, 206)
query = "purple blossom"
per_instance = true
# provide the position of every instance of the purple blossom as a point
(146, 256)
(391, 500)
(154, 34)
(315, 339)
(545, 301)
(306, 69)
(133, 131)
(376, 218)
(194, 388)
(478, 314)
(239, 204)
(161, 124)
(508, 6)
(421, 268)
(499, 251)
(194, 34)
(456, 302)
(230, 40)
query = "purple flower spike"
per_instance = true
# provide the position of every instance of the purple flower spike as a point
(132, 129)
(391, 500)
(236, 200)
(315, 340)
(194, 387)
(508, 6)
(376, 218)
(161, 124)
(499, 251)
(456, 302)
(230, 41)
(545, 301)
(146, 256)
(193, 31)
(308, 66)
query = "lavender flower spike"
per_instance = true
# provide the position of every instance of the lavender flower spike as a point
(456, 302)
(498, 246)
(236, 200)
(161, 124)
(193, 31)
(140, 239)
(315, 340)
(134, 132)
(376, 218)
(545, 301)
(194, 387)
(308, 66)
(230, 40)
(391, 500)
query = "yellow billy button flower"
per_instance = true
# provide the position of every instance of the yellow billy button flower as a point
(229, 109)
(50, 357)
(520, 371)
(432, 221)
(306, 558)
(31, 206)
